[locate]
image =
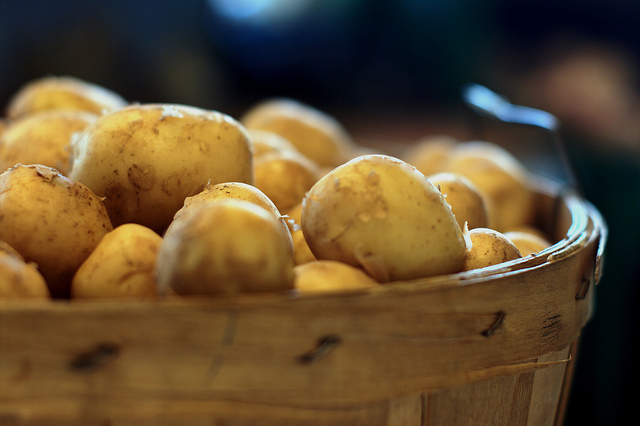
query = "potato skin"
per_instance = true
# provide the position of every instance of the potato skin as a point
(224, 247)
(467, 203)
(146, 159)
(43, 138)
(323, 276)
(50, 220)
(121, 266)
(380, 213)
(62, 93)
(527, 242)
(488, 248)
(19, 279)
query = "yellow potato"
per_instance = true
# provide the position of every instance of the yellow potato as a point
(20, 279)
(146, 159)
(316, 134)
(527, 242)
(66, 93)
(429, 154)
(502, 179)
(285, 177)
(467, 203)
(330, 276)
(264, 141)
(489, 247)
(50, 220)
(379, 213)
(121, 266)
(237, 191)
(301, 251)
(225, 247)
(43, 138)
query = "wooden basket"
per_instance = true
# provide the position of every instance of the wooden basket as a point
(486, 347)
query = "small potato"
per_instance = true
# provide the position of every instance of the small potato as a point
(43, 138)
(317, 135)
(285, 177)
(489, 247)
(430, 154)
(236, 191)
(146, 159)
(467, 203)
(66, 93)
(224, 247)
(527, 242)
(330, 276)
(121, 266)
(502, 179)
(51, 220)
(301, 251)
(264, 141)
(380, 213)
(19, 279)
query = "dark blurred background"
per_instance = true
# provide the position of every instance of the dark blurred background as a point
(388, 69)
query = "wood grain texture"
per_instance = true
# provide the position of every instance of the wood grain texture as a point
(487, 347)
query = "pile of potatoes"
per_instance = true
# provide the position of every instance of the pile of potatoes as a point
(104, 198)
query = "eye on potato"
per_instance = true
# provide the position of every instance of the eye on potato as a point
(19, 279)
(51, 220)
(236, 191)
(121, 266)
(500, 177)
(146, 159)
(224, 247)
(285, 177)
(316, 134)
(323, 276)
(43, 138)
(380, 213)
(467, 203)
(63, 93)
(488, 248)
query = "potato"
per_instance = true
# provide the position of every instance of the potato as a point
(430, 153)
(43, 138)
(316, 134)
(19, 279)
(237, 191)
(489, 247)
(285, 177)
(330, 276)
(121, 266)
(264, 141)
(146, 159)
(51, 220)
(527, 242)
(500, 177)
(66, 93)
(467, 203)
(225, 247)
(301, 251)
(380, 213)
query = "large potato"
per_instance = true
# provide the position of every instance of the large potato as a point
(489, 247)
(121, 266)
(236, 191)
(467, 203)
(50, 220)
(43, 138)
(380, 213)
(66, 93)
(316, 134)
(330, 276)
(19, 279)
(225, 247)
(146, 159)
(502, 178)
(285, 177)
